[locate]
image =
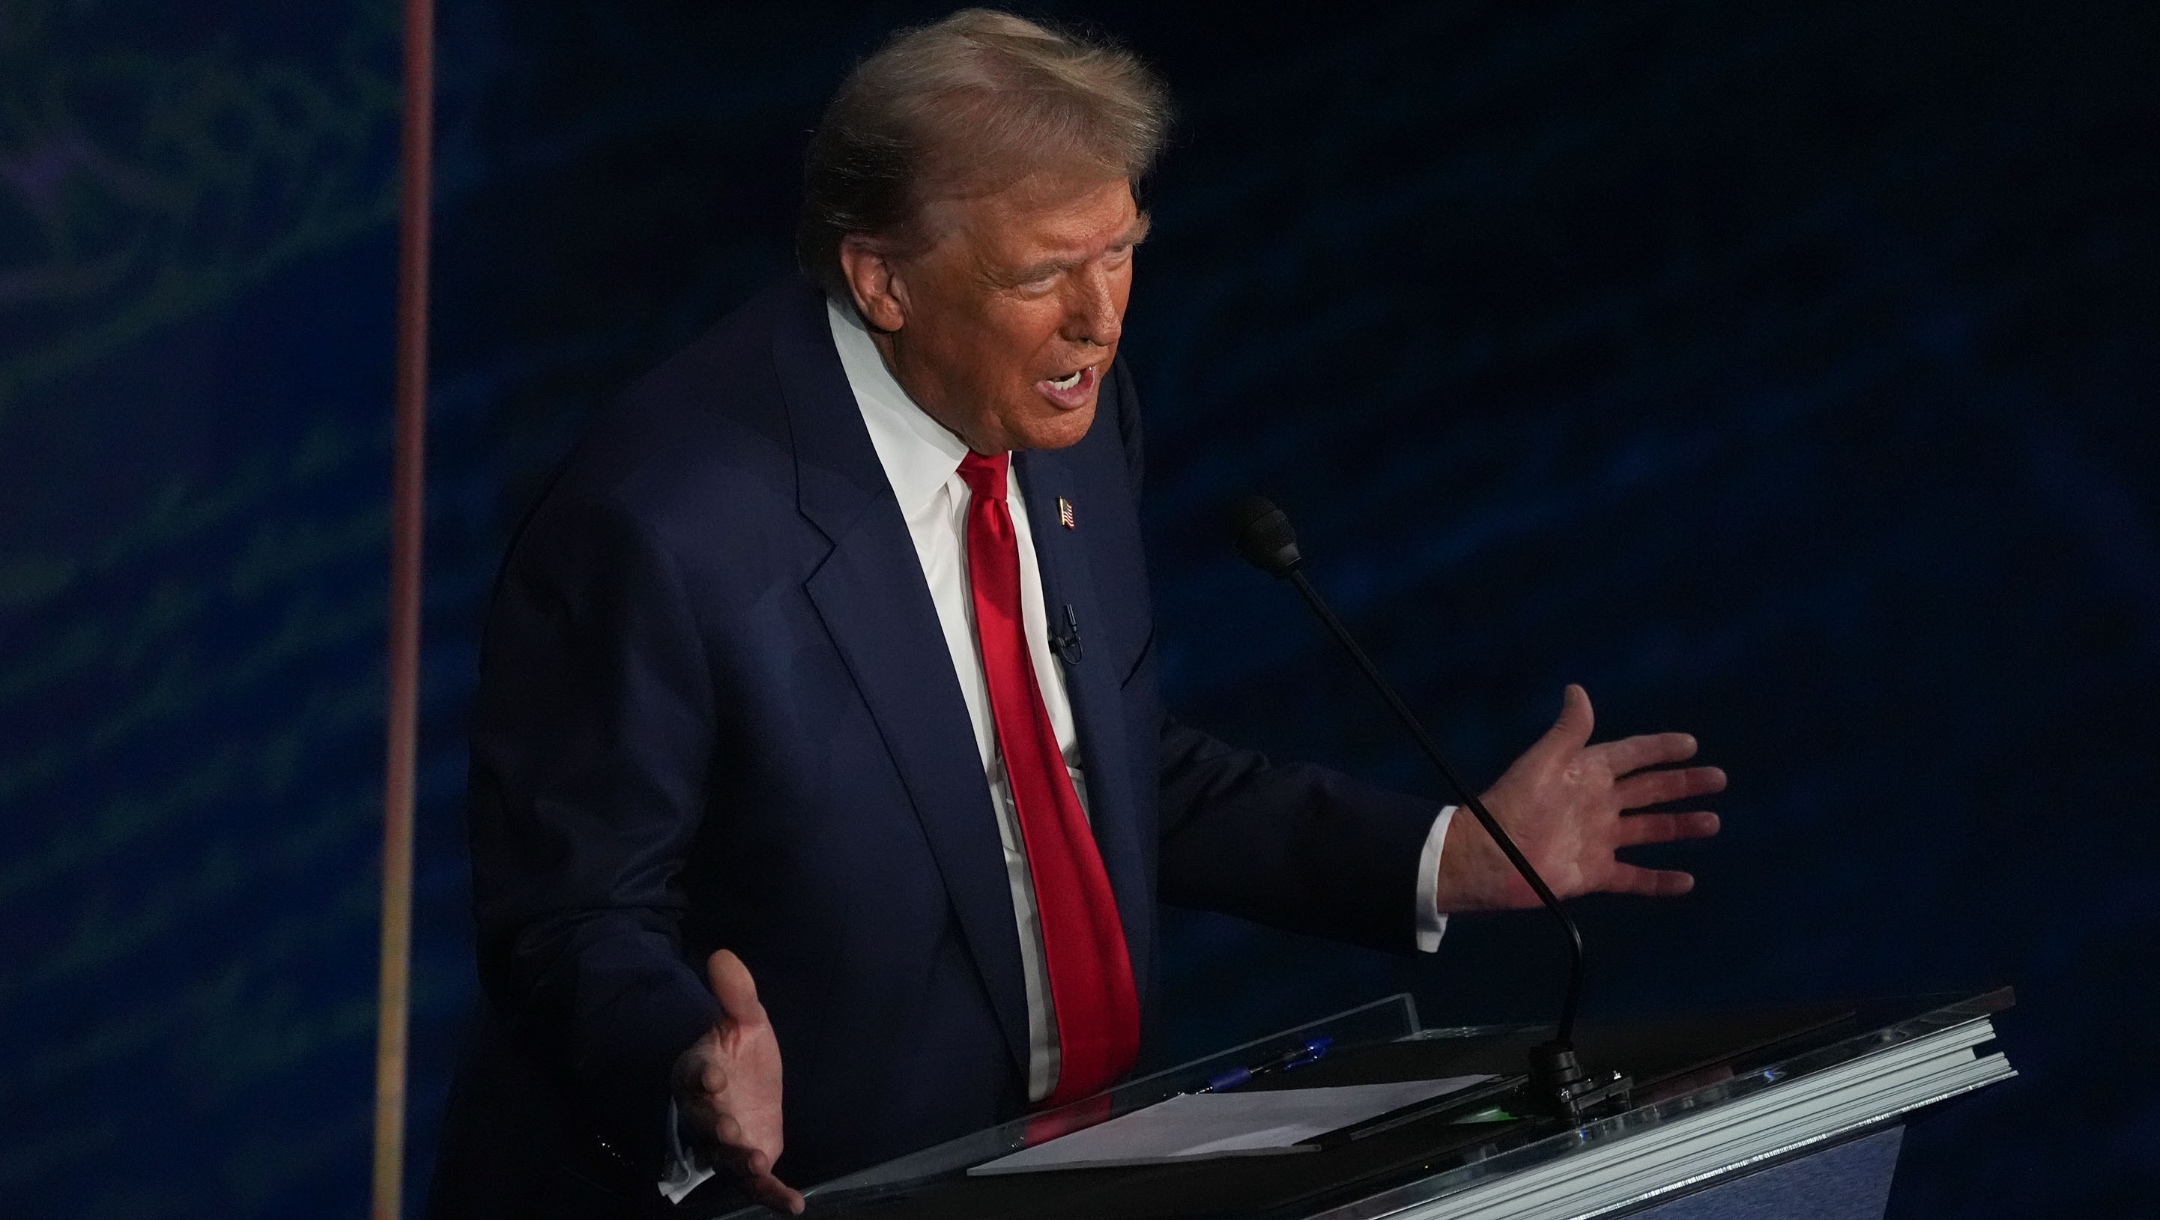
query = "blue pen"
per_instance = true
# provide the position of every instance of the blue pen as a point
(1295, 1058)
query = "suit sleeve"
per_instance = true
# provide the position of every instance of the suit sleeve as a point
(591, 739)
(1298, 847)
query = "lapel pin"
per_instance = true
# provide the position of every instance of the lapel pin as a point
(1065, 514)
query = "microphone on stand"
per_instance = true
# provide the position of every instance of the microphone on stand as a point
(1557, 1082)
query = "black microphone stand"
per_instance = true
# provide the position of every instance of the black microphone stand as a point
(1557, 1083)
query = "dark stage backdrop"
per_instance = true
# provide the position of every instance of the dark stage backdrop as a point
(1783, 372)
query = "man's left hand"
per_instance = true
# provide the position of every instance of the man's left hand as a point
(1566, 804)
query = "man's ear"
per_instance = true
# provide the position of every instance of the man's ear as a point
(875, 281)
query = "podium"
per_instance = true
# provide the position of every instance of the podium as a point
(1789, 1113)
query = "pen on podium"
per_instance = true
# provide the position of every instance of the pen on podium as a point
(1296, 1057)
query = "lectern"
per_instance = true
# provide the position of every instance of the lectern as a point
(1790, 1113)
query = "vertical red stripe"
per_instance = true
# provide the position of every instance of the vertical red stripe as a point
(407, 471)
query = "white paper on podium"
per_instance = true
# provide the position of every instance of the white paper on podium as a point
(1197, 1125)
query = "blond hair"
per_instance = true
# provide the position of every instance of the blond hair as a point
(968, 105)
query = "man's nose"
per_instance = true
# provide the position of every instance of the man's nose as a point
(1094, 316)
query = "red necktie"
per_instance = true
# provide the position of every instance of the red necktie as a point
(1091, 983)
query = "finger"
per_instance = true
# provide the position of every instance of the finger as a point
(774, 1193)
(734, 1162)
(744, 1167)
(1645, 788)
(1648, 750)
(697, 1108)
(1572, 730)
(733, 987)
(1637, 829)
(1650, 882)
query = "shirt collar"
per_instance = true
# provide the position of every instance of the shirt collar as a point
(918, 453)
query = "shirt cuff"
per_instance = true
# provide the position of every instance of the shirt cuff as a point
(1431, 923)
(685, 1170)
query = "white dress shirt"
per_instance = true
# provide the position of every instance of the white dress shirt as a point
(922, 463)
(921, 459)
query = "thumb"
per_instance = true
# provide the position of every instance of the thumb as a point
(733, 987)
(1572, 730)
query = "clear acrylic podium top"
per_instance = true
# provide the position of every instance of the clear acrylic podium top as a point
(1681, 1069)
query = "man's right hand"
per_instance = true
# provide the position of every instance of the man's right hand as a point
(727, 1087)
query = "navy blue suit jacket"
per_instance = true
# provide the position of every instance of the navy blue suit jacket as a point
(716, 710)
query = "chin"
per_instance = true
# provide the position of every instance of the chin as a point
(1059, 431)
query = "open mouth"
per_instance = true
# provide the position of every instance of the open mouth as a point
(1071, 391)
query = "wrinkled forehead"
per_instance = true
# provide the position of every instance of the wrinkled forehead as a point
(1041, 217)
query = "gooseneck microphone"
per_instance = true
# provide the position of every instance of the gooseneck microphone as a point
(1557, 1080)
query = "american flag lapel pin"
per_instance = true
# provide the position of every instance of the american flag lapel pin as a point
(1065, 516)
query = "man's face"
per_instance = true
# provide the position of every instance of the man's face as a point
(1004, 328)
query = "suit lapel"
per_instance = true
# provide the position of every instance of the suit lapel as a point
(1046, 478)
(870, 594)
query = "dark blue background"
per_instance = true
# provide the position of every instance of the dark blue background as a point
(1782, 372)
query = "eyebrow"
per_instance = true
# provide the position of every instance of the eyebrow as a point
(1134, 234)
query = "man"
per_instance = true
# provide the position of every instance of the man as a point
(818, 720)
